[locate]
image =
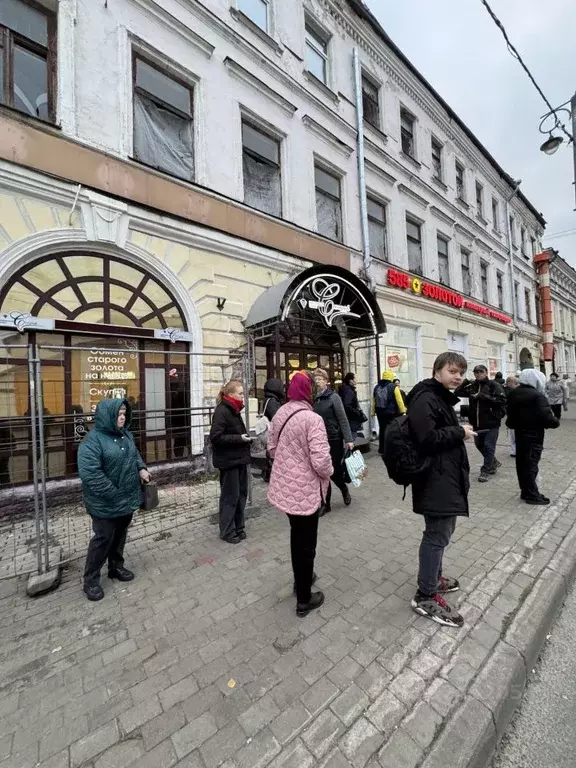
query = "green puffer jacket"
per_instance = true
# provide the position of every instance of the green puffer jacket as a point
(109, 463)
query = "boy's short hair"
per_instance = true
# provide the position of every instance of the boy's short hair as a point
(450, 358)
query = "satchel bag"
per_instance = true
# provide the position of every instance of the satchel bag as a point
(149, 496)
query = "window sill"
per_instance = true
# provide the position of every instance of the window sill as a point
(27, 116)
(411, 160)
(463, 203)
(321, 86)
(440, 183)
(258, 31)
(375, 131)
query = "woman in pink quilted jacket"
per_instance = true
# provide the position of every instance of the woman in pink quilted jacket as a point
(300, 476)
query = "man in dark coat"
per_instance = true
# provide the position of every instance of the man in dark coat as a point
(487, 409)
(112, 471)
(274, 398)
(329, 405)
(529, 415)
(441, 493)
(355, 415)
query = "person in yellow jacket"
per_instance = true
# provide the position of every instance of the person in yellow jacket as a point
(387, 403)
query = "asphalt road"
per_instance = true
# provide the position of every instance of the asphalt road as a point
(542, 734)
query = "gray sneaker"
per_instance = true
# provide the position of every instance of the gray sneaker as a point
(437, 609)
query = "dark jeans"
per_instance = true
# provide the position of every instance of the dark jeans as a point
(529, 447)
(303, 538)
(384, 419)
(486, 444)
(233, 495)
(106, 544)
(337, 456)
(436, 538)
(557, 410)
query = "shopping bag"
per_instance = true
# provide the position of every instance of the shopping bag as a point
(355, 467)
(149, 496)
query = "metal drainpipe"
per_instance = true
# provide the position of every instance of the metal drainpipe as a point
(511, 272)
(373, 374)
(573, 109)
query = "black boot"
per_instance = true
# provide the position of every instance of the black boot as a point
(120, 573)
(346, 496)
(316, 600)
(94, 592)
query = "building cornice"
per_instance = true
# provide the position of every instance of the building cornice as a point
(166, 20)
(243, 75)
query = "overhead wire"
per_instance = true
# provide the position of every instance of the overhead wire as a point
(514, 52)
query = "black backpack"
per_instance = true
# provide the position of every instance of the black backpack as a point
(402, 460)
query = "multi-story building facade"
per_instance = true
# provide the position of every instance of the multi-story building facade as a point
(563, 297)
(186, 171)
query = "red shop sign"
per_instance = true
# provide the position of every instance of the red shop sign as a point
(397, 279)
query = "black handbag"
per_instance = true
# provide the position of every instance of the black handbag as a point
(149, 496)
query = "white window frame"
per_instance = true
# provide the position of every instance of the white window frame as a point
(410, 219)
(413, 119)
(485, 265)
(417, 347)
(496, 223)
(378, 87)
(461, 196)
(445, 239)
(436, 142)
(479, 188)
(378, 201)
(266, 3)
(319, 35)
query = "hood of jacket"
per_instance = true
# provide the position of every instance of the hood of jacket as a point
(106, 417)
(387, 375)
(274, 388)
(533, 378)
(432, 385)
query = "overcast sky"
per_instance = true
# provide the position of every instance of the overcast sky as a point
(458, 48)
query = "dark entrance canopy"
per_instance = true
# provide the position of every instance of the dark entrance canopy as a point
(326, 305)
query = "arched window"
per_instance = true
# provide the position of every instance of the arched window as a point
(89, 288)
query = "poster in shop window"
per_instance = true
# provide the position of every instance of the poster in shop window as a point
(397, 359)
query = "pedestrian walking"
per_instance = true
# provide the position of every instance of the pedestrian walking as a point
(387, 404)
(529, 414)
(556, 394)
(328, 405)
(355, 415)
(440, 493)
(273, 398)
(499, 378)
(300, 480)
(231, 455)
(511, 383)
(487, 409)
(112, 472)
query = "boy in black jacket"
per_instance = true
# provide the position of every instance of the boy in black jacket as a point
(440, 494)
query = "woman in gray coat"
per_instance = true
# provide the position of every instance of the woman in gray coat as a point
(556, 394)
(329, 405)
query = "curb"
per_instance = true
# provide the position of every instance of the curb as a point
(471, 736)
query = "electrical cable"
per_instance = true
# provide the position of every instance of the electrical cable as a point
(513, 51)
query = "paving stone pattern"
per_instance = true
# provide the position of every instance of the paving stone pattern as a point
(201, 661)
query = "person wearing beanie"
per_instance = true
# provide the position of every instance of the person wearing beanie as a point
(299, 482)
(387, 404)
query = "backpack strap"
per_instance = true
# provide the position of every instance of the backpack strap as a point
(266, 406)
(286, 422)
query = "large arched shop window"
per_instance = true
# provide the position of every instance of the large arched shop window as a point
(89, 288)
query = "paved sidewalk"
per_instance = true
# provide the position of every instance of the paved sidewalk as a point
(201, 662)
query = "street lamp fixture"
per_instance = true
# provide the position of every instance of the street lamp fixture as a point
(552, 144)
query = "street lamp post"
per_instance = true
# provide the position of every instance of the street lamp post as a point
(554, 142)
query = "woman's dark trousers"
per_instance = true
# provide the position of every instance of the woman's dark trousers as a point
(557, 410)
(436, 538)
(106, 544)
(303, 538)
(384, 419)
(337, 456)
(529, 447)
(233, 495)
